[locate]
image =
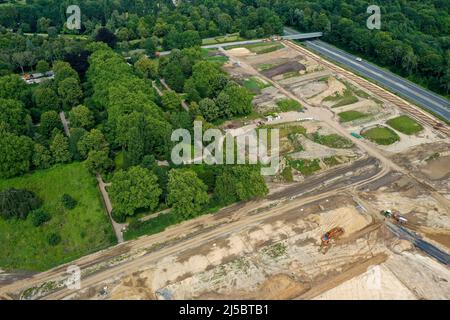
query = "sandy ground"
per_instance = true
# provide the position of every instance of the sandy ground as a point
(334, 87)
(378, 283)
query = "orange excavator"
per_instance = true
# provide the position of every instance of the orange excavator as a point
(330, 235)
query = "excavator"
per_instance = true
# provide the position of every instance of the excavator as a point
(327, 237)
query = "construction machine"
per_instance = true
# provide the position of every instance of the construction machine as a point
(327, 237)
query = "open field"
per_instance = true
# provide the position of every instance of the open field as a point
(83, 230)
(381, 135)
(347, 116)
(405, 125)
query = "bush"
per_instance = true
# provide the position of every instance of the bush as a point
(118, 217)
(54, 239)
(68, 202)
(39, 217)
(17, 203)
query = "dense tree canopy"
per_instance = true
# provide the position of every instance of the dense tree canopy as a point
(134, 189)
(186, 192)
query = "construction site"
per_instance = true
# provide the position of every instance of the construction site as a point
(360, 207)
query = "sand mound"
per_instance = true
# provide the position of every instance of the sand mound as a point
(346, 217)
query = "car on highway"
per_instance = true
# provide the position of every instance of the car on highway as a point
(359, 59)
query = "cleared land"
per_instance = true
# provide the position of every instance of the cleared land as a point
(83, 230)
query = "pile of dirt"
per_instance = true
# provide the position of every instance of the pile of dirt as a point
(291, 66)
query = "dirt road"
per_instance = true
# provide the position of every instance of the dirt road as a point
(189, 234)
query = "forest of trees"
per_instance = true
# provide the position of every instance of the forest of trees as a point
(413, 41)
(120, 127)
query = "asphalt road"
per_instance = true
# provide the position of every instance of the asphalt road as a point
(420, 96)
(426, 247)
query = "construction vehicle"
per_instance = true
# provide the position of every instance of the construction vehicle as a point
(327, 237)
(394, 215)
(332, 234)
(387, 213)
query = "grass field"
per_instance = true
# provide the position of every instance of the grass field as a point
(405, 125)
(286, 105)
(351, 115)
(84, 229)
(255, 85)
(332, 141)
(381, 135)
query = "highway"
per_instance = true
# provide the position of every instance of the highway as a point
(396, 84)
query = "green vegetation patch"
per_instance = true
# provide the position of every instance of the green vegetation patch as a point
(286, 105)
(304, 166)
(83, 229)
(286, 174)
(275, 251)
(331, 161)
(255, 85)
(405, 125)
(381, 135)
(351, 115)
(332, 141)
(342, 99)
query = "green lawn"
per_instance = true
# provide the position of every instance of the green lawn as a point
(332, 141)
(83, 230)
(351, 115)
(381, 135)
(405, 125)
(286, 105)
(255, 85)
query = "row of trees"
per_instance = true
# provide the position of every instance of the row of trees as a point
(187, 194)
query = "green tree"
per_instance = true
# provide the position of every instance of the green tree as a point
(46, 98)
(134, 189)
(92, 141)
(13, 87)
(98, 162)
(171, 100)
(17, 203)
(70, 93)
(49, 121)
(63, 71)
(42, 66)
(39, 217)
(240, 183)
(209, 110)
(146, 68)
(81, 117)
(13, 117)
(60, 149)
(186, 193)
(235, 100)
(174, 76)
(42, 158)
(15, 154)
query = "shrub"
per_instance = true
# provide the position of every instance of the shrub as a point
(17, 203)
(68, 202)
(39, 217)
(118, 217)
(54, 239)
